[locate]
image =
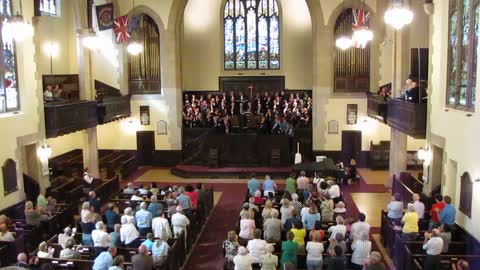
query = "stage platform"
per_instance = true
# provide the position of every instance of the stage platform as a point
(196, 171)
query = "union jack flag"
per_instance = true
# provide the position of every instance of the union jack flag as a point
(121, 29)
(360, 17)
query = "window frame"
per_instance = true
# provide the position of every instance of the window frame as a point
(2, 65)
(456, 6)
(268, 18)
(58, 9)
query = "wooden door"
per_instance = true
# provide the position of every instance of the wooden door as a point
(351, 146)
(145, 147)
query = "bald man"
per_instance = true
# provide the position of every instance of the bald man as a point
(433, 246)
(142, 261)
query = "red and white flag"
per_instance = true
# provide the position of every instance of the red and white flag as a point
(121, 29)
(360, 18)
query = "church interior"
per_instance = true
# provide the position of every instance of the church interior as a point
(239, 134)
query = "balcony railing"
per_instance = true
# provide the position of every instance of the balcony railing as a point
(113, 108)
(377, 107)
(408, 117)
(62, 118)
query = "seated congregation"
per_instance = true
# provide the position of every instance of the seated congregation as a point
(145, 227)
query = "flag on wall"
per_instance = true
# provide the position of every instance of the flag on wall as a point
(105, 16)
(360, 18)
(121, 29)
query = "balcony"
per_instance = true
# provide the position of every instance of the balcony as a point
(113, 108)
(66, 117)
(407, 117)
(144, 87)
(377, 107)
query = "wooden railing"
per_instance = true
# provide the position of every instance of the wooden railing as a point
(408, 117)
(377, 107)
(141, 87)
(113, 108)
(406, 185)
(62, 118)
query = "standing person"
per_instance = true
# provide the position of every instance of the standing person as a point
(302, 183)
(289, 250)
(142, 261)
(243, 260)
(100, 237)
(447, 214)
(253, 185)
(395, 208)
(269, 186)
(339, 228)
(272, 228)
(299, 232)
(185, 202)
(286, 210)
(202, 200)
(117, 263)
(257, 247)
(314, 252)
(437, 207)
(337, 261)
(270, 261)
(419, 206)
(247, 226)
(446, 236)
(334, 192)
(87, 179)
(155, 207)
(296, 204)
(433, 246)
(291, 184)
(312, 217)
(193, 195)
(359, 227)
(161, 227)
(105, 259)
(128, 233)
(327, 206)
(361, 248)
(410, 223)
(143, 219)
(230, 248)
(160, 251)
(112, 216)
(179, 222)
(353, 170)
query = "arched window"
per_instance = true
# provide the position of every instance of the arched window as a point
(252, 34)
(463, 23)
(466, 187)
(9, 97)
(144, 68)
(352, 66)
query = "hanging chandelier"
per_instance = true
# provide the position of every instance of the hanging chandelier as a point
(17, 28)
(344, 42)
(134, 46)
(362, 36)
(398, 16)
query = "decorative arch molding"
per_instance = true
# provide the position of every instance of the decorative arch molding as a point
(466, 192)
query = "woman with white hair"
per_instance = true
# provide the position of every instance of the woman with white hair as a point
(296, 203)
(87, 228)
(243, 261)
(128, 233)
(44, 251)
(410, 223)
(63, 237)
(338, 228)
(286, 210)
(100, 237)
(270, 261)
(247, 226)
(128, 214)
(256, 247)
(84, 213)
(272, 228)
(267, 210)
(361, 248)
(33, 216)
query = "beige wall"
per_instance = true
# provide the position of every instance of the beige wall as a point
(459, 131)
(25, 123)
(202, 46)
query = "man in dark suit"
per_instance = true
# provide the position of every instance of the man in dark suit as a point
(142, 261)
(413, 94)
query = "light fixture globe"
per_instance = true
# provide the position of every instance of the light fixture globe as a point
(398, 16)
(134, 48)
(18, 29)
(362, 36)
(343, 43)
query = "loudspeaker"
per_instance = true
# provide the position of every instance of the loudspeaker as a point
(213, 157)
(275, 157)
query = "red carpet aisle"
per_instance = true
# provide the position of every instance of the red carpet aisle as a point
(208, 254)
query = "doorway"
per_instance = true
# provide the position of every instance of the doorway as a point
(437, 167)
(351, 146)
(145, 147)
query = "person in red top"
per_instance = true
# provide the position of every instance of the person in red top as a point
(258, 198)
(192, 194)
(435, 210)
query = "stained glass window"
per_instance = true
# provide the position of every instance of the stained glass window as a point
(462, 53)
(9, 98)
(252, 34)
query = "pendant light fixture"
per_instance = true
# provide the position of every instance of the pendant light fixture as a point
(398, 15)
(134, 46)
(344, 42)
(17, 28)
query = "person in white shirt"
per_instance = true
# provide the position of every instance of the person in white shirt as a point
(87, 178)
(86, 214)
(286, 210)
(136, 196)
(44, 251)
(143, 190)
(339, 228)
(161, 227)
(359, 227)
(306, 208)
(361, 248)
(179, 222)
(257, 247)
(129, 189)
(128, 233)
(100, 236)
(334, 192)
(63, 237)
(128, 214)
(317, 180)
(314, 250)
(433, 246)
(243, 260)
(419, 206)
